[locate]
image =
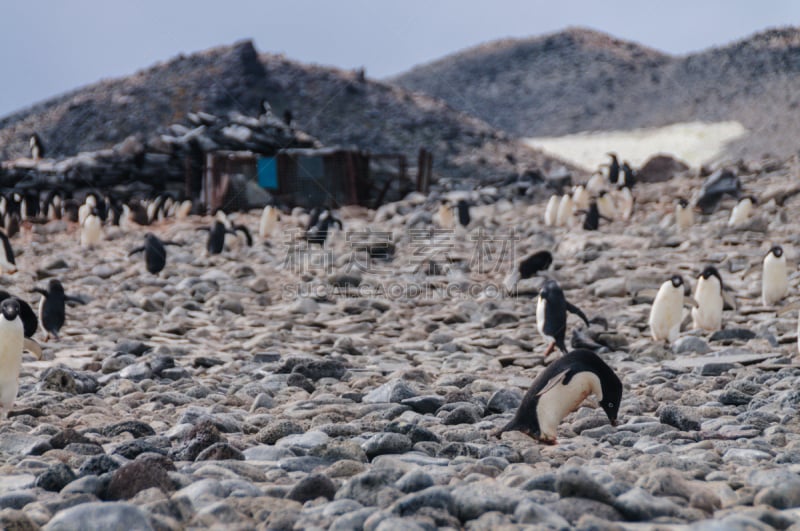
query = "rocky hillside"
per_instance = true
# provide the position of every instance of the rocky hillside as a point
(337, 107)
(582, 80)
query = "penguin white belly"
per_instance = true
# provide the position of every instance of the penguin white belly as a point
(580, 198)
(708, 314)
(605, 205)
(551, 211)
(269, 219)
(561, 400)
(564, 213)
(626, 204)
(446, 218)
(684, 217)
(92, 232)
(11, 341)
(740, 213)
(595, 183)
(774, 280)
(540, 312)
(666, 313)
(83, 213)
(183, 211)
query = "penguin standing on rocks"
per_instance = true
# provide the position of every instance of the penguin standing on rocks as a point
(7, 263)
(12, 338)
(37, 147)
(742, 211)
(551, 211)
(52, 307)
(565, 210)
(774, 277)
(318, 234)
(445, 214)
(591, 220)
(463, 212)
(684, 215)
(581, 197)
(613, 169)
(667, 311)
(708, 296)
(606, 206)
(551, 315)
(269, 221)
(91, 229)
(528, 266)
(560, 389)
(155, 253)
(217, 232)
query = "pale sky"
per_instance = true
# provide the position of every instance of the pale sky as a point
(48, 47)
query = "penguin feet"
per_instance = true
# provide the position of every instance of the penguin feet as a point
(550, 349)
(545, 439)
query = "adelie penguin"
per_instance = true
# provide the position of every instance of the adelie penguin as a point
(551, 211)
(91, 229)
(774, 276)
(684, 214)
(52, 307)
(463, 212)
(591, 220)
(7, 262)
(155, 253)
(667, 311)
(445, 218)
(37, 147)
(216, 236)
(742, 211)
(551, 315)
(18, 323)
(560, 389)
(708, 296)
(613, 169)
(318, 234)
(269, 221)
(528, 266)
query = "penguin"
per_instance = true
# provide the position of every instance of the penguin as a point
(708, 295)
(528, 266)
(628, 177)
(216, 237)
(742, 211)
(551, 315)
(774, 277)
(183, 211)
(626, 202)
(91, 229)
(591, 221)
(155, 253)
(52, 205)
(463, 212)
(269, 220)
(52, 307)
(596, 183)
(684, 215)
(551, 210)
(605, 205)
(37, 147)
(11, 223)
(30, 323)
(319, 232)
(70, 210)
(613, 169)
(564, 212)
(85, 209)
(560, 389)
(580, 198)
(12, 338)
(7, 263)
(667, 311)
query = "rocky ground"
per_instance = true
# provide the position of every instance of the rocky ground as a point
(248, 391)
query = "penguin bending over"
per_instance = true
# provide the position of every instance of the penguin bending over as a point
(7, 263)
(774, 277)
(551, 315)
(742, 211)
(560, 389)
(529, 266)
(667, 311)
(155, 254)
(52, 307)
(708, 295)
(318, 234)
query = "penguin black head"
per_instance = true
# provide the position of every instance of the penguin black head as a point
(777, 251)
(10, 309)
(683, 202)
(711, 271)
(677, 281)
(551, 291)
(54, 287)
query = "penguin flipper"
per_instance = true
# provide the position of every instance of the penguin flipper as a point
(137, 250)
(246, 232)
(554, 381)
(40, 290)
(577, 311)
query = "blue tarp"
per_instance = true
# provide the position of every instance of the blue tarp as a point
(268, 173)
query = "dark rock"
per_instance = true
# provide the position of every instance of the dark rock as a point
(435, 497)
(546, 481)
(143, 473)
(660, 168)
(131, 449)
(17, 499)
(137, 348)
(312, 487)
(386, 443)
(572, 509)
(365, 487)
(65, 437)
(466, 414)
(220, 451)
(314, 370)
(414, 480)
(136, 428)
(84, 448)
(474, 499)
(639, 505)
(680, 417)
(55, 477)
(504, 400)
(529, 512)
(500, 317)
(306, 463)
(98, 465)
(783, 495)
(298, 380)
(100, 515)
(63, 380)
(424, 404)
(575, 482)
(734, 397)
(715, 369)
(729, 334)
(277, 430)
(394, 391)
(200, 437)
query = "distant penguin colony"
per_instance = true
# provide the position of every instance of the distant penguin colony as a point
(666, 313)
(551, 315)
(560, 389)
